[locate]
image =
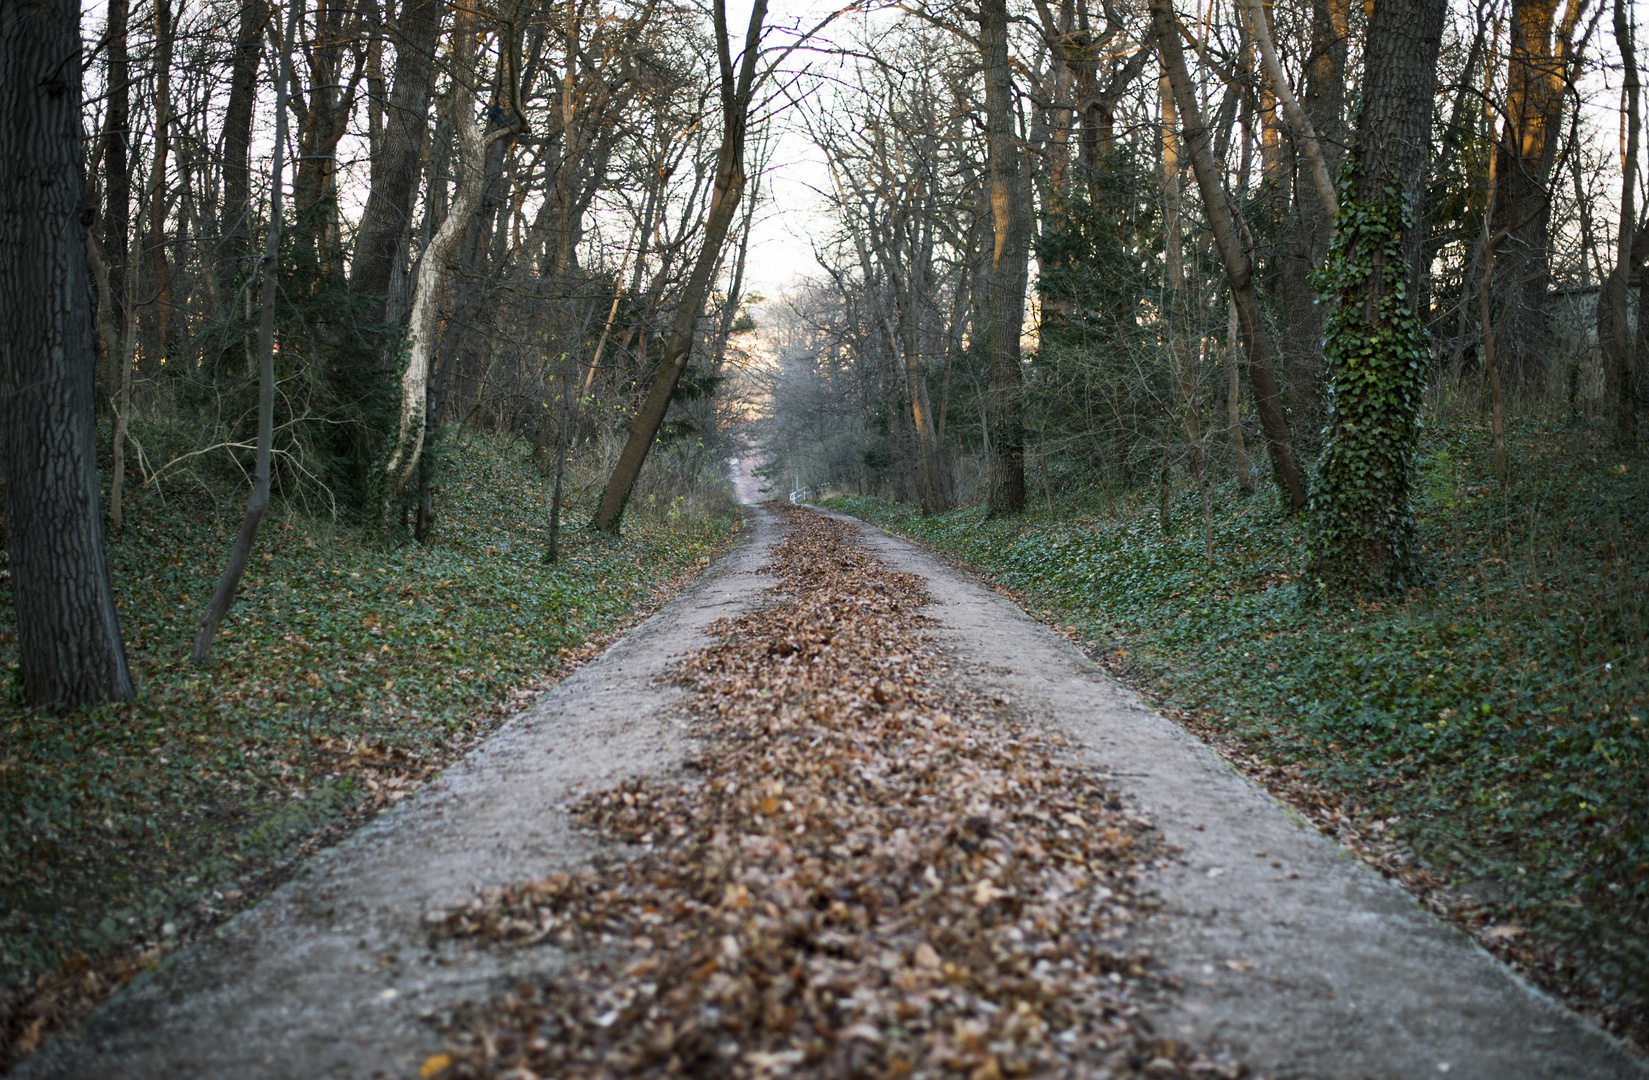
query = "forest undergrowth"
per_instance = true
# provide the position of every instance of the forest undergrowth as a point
(861, 873)
(1482, 738)
(346, 675)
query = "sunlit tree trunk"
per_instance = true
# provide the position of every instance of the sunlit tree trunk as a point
(1528, 148)
(423, 323)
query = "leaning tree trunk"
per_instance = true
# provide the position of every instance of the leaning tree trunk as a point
(1361, 525)
(1239, 268)
(68, 634)
(1009, 268)
(724, 200)
(216, 608)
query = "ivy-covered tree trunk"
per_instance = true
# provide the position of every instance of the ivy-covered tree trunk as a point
(1360, 523)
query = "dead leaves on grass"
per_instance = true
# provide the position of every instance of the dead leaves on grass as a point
(863, 876)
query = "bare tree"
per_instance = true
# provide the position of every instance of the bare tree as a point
(386, 222)
(1614, 332)
(1008, 266)
(258, 502)
(736, 93)
(422, 327)
(1234, 256)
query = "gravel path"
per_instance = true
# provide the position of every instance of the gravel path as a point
(1331, 973)
(1294, 956)
(331, 976)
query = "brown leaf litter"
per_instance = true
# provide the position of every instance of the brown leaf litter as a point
(864, 874)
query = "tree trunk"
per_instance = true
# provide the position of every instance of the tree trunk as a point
(68, 635)
(1177, 311)
(423, 323)
(160, 322)
(1613, 328)
(724, 200)
(386, 223)
(117, 213)
(216, 608)
(236, 209)
(1305, 134)
(1361, 526)
(1239, 268)
(1233, 403)
(1533, 122)
(1324, 108)
(1009, 268)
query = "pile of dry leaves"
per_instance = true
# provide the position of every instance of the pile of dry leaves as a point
(863, 876)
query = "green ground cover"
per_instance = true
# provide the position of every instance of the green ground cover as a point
(1495, 718)
(345, 675)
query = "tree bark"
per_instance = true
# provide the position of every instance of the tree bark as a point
(1178, 315)
(1233, 402)
(724, 200)
(1302, 316)
(1535, 78)
(216, 608)
(1234, 256)
(1009, 268)
(68, 638)
(423, 324)
(1613, 327)
(117, 213)
(1361, 525)
(1304, 133)
(160, 322)
(386, 223)
(236, 209)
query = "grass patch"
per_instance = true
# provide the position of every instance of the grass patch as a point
(1495, 721)
(344, 676)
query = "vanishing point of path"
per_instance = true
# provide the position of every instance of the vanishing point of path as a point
(1283, 952)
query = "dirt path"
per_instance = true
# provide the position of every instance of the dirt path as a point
(1331, 973)
(1293, 955)
(331, 976)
